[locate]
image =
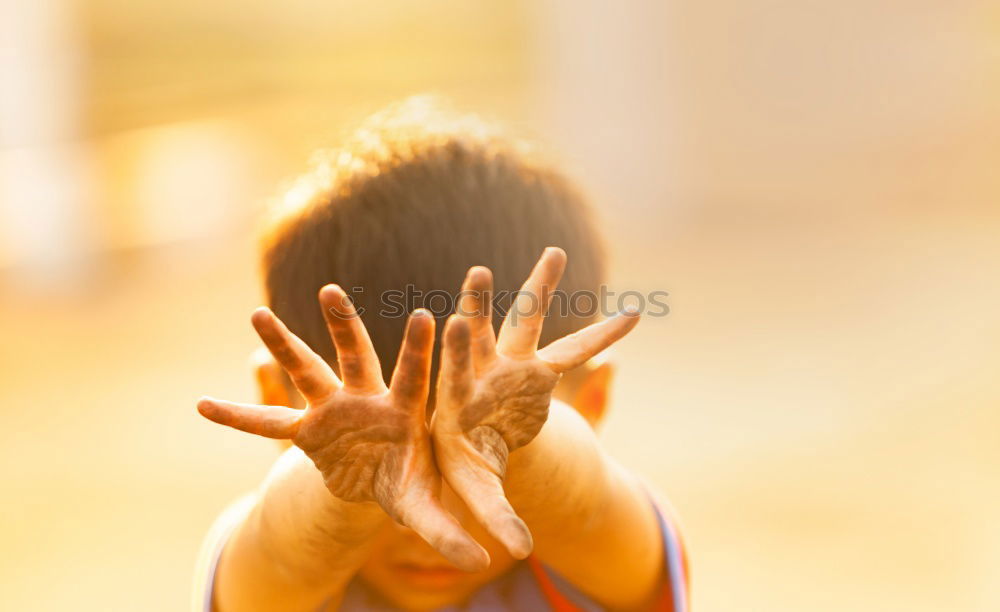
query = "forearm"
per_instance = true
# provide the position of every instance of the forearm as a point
(592, 521)
(299, 545)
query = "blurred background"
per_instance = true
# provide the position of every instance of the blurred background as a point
(815, 183)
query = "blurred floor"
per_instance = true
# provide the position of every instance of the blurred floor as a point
(825, 412)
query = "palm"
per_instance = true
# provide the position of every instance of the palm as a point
(360, 445)
(368, 441)
(494, 392)
(509, 404)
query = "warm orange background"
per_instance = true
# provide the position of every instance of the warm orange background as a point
(815, 183)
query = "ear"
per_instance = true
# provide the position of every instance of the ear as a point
(591, 394)
(270, 379)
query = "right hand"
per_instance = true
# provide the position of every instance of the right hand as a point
(369, 442)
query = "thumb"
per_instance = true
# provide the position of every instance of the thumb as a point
(425, 515)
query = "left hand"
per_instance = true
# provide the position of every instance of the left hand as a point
(493, 393)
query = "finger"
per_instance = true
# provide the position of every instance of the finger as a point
(359, 366)
(309, 373)
(455, 378)
(476, 308)
(411, 378)
(573, 350)
(483, 493)
(439, 528)
(268, 421)
(523, 324)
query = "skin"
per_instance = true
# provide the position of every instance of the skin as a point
(494, 393)
(522, 471)
(368, 441)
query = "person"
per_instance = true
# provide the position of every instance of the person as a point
(474, 479)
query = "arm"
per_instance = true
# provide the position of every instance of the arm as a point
(298, 547)
(591, 520)
(366, 457)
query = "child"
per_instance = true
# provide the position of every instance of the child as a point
(502, 498)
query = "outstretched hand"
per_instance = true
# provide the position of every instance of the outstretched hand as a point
(369, 442)
(493, 393)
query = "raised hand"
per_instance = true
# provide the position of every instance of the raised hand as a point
(493, 393)
(369, 442)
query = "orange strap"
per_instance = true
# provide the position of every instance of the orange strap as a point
(559, 602)
(556, 599)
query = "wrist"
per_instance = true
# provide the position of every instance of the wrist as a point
(561, 468)
(305, 529)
